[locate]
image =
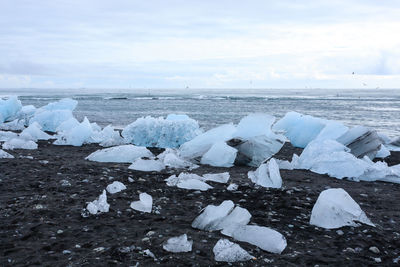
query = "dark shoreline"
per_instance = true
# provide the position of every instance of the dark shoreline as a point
(35, 206)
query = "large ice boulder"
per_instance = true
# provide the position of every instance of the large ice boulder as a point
(219, 155)
(19, 143)
(9, 108)
(255, 125)
(99, 205)
(335, 208)
(34, 132)
(228, 251)
(51, 119)
(267, 175)
(144, 204)
(178, 244)
(159, 132)
(77, 136)
(263, 237)
(120, 154)
(68, 125)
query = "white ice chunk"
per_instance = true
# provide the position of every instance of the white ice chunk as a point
(115, 187)
(51, 119)
(172, 160)
(263, 237)
(120, 154)
(178, 244)
(34, 133)
(144, 204)
(203, 142)
(76, 136)
(68, 125)
(335, 208)
(228, 251)
(160, 132)
(5, 136)
(18, 143)
(232, 187)
(219, 155)
(173, 180)
(383, 152)
(267, 175)
(332, 130)
(289, 165)
(108, 137)
(193, 184)
(255, 125)
(212, 215)
(238, 216)
(99, 205)
(62, 104)
(15, 125)
(5, 155)
(9, 108)
(217, 177)
(147, 165)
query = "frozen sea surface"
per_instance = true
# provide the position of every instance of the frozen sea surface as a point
(376, 108)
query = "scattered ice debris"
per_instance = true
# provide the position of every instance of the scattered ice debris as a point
(361, 141)
(5, 155)
(172, 160)
(17, 143)
(9, 108)
(147, 165)
(99, 205)
(267, 175)
(115, 187)
(222, 177)
(159, 132)
(178, 244)
(232, 187)
(120, 154)
(193, 184)
(77, 136)
(219, 155)
(15, 125)
(263, 237)
(335, 208)
(144, 204)
(34, 133)
(5, 136)
(228, 251)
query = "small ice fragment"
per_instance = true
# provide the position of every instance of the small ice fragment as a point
(144, 204)
(232, 187)
(17, 143)
(115, 187)
(228, 251)
(99, 205)
(147, 165)
(267, 175)
(212, 216)
(178, 244)
(220, 155)
(194, 184)
(5, 155)
(120, 154)
(34, 132)
(217, 177)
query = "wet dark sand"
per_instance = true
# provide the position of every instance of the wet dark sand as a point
(41, 221)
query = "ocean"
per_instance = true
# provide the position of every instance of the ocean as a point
(375, 108)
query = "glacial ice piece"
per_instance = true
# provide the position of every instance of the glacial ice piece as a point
(263, 237)
(9, 108)
(267, 175)
(51, 119)
(332, 130)
(108, 137)
(67, 125)
(199, 145)
(173, 180)
(361, 141)
(26, 113)
(383, 152)
(255, 125)
(178, 244)
(289, 165)
(228, 251)
(219, 155)
(77, 136)
(115, 187)
(62, 104)
(232, 187)
(238, 216)
(5, 136)
(5, 155)
(15, 125)
(144, 204)
(120, 154)
(222, 177)
(212, 215)
(18, 143)
(99, 205)
(160, 132)
(193, 184)
(147, 165)
(172, 160)
(335, 208)
(300, 129)
(257, 149)
(34, 133)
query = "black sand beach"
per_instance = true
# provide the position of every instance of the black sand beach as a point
(41, 219)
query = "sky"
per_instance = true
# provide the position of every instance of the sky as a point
(199, 44)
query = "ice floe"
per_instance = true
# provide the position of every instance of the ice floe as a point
(120, 154)
(99, 205)
(228, 251)
(144, 204)
(147, 165)
(335, 208)
(267, 175)
(115, 187)
(178, 244)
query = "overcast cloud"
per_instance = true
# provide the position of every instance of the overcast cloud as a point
(200, 44)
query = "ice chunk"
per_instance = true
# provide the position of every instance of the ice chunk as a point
(232, 187)
(217, 177)
(332, 130)
(219, 155)
(254, 125)
(51, 119)
(99, 205)
(289, 165)
(212, 216)
(263, 237)
(144, 204)
(62, 104)
(193, 184)
(178, 244)
(34, 133)
(5, 155)
(383, 152)
(238, 216)
(159, 132)
(120, 154)
(9, 108)
(147, 165)
(76, 136)
(267, 175)
(361, 141)
(108, 137)
(203, 142)
(228, 251)
(173, 180)
(5, 136)
(300, 129)
(18, 143)
(172, 160)
(115, 187)
(335, 208)
(15, 125)
(68, 125)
